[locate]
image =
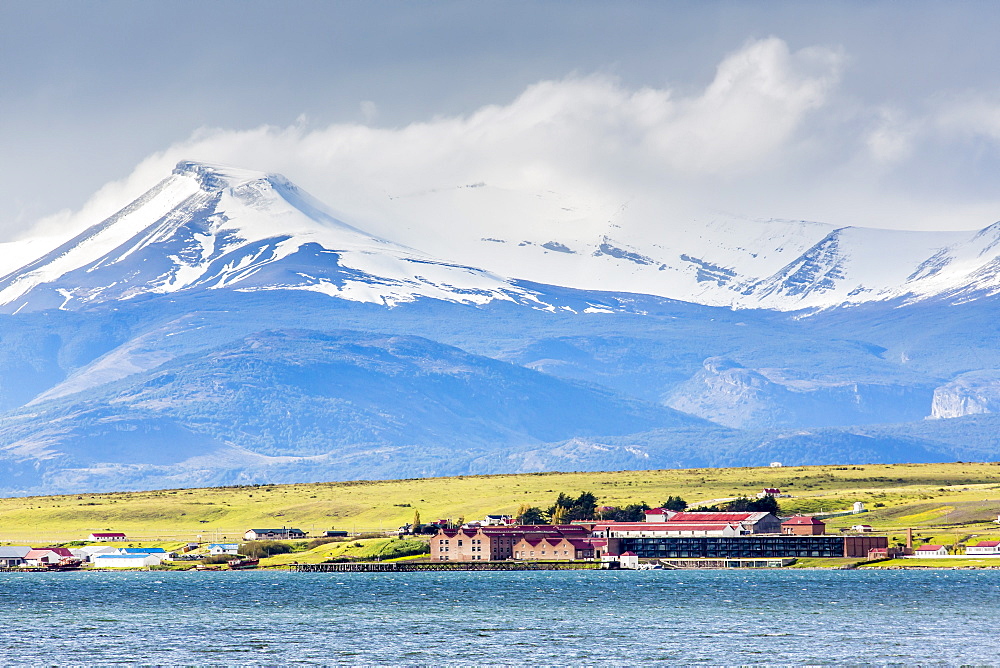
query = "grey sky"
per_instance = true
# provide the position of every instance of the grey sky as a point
(90, 89)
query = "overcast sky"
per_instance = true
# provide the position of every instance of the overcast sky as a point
(881, 114)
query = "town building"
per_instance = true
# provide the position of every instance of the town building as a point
(749, 522)
(13, 556)
(105, 537)
(224, 548)
(802, 525)
(47, 555)
(158, 552)
(747, 547)
(772, 492)
(495, 543)
(274, 534)
(553, 548)
(984, 547)
(649, 529)
(88, 552)
(659, 514)
(126, 560)
(862, 528)
(497, 520)
(931, 551)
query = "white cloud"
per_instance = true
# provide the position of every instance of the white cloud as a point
(591, 139)
(771, 135)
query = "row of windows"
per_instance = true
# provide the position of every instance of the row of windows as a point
(686, 548)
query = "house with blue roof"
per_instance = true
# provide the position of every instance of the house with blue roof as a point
(127, 560)
(224, 548)
(158, 552)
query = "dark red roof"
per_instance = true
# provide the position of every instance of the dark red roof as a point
(987, 543)
(712, 517)
(802, 519)
(661, 526)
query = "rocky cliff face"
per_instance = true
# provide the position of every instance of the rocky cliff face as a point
(973, 393)
(730, 394)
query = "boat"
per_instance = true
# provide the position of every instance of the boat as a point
(65, 564)
(239, 564)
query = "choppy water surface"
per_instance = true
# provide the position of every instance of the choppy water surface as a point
(589, 618)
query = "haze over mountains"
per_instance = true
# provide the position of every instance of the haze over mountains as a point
(225, 327)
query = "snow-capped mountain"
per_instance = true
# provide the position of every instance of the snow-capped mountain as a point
(225, 327)
(208, 227)
(728, 261)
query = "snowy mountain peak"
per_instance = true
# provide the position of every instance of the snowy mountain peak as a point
(210, 227)
(218, 177)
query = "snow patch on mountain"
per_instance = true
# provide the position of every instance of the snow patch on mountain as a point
(208, 227)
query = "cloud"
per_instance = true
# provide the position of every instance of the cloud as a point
(770, 135)
(590, 138)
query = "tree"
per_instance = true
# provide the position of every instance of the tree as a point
(768, 504)
(416, 521)
(559, 515)
(585, 506)
(675, 503)
(634, 512)
(532, 515)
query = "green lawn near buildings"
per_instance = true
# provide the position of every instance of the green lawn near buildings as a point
(938, 501)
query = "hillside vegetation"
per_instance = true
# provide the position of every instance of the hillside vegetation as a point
(928, 497)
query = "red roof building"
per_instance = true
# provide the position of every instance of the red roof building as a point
(496, 543)
(803, 525)
(932, 551)
(988, 547)
(102, 537)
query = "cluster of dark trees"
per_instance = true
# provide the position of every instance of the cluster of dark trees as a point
(584, 507)
(768, 504)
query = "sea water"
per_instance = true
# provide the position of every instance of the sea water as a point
(732, 617)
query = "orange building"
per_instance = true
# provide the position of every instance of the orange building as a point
(801, 525)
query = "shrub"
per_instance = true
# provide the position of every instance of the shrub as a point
(257, 549)
(217, 559)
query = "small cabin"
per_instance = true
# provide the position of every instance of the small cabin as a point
(931, 551)
(984, 547)
(105, 537)
(803, 525)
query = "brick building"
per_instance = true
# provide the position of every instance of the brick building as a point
(496, 543)
(800, 525)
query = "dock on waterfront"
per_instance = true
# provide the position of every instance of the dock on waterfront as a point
(407, 567)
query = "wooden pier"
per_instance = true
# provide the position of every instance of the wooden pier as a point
(410, 567)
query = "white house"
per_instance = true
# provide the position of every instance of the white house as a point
(13, 556)
(659, 514)
(91, 551)
(862, 528)
(497, 520)
(47, 555)
(158, 552)
(273, 534)
(126, 560)
(986, 547)
(224, 548)
(628, 560)
(98, 537)
(931, 551)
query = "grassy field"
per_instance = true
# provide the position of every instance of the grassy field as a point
(946, 502)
